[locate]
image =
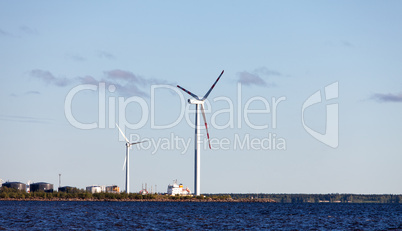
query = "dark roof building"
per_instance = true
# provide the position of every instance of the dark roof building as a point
(68, 189)
(41, 186)
(16, 185)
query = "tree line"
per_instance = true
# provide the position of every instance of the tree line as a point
(74, 193)
(322, 198)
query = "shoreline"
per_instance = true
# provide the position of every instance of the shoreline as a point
(140, 200)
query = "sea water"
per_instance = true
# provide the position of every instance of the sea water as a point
(57, 215)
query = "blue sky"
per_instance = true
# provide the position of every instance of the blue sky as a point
(269, 51)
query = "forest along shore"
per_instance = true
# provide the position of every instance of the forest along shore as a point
(144, 200)
(82, 195)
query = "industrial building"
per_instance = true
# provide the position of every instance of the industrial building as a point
(177, 190)
(99, 189)
(41, 186)
(68, 189)
(94, 189)
(112, 189)
(16, 185)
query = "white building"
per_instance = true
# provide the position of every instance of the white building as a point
(94, 189)
(177, 190)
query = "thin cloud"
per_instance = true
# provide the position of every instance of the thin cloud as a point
(257, 77)
(248, 79)
(25, 119)
(126, 83)
(5, 34)
(124, 87)
(346, 43)
(387, 97)
(88, 80)
(28, 93)
(28, 30)
(106, 55)
(267, 72)
(123, 75)
(76, 57)
(32, 93)
(25, 29)
(49, 78)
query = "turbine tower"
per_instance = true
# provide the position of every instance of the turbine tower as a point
(126, 159)
(199, 104)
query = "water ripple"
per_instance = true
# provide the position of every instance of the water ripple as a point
(56, 215)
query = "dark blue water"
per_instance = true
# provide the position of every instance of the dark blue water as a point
(37, 215)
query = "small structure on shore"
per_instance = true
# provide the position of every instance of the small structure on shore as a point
(67, 189)
(94, 189)
(103, 188)
(41, 186)
(177, 190)
(144, 191)
(112, 189)
(17, 185)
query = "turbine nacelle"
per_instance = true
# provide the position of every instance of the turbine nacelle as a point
(195, 101)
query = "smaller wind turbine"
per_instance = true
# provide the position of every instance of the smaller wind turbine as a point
(126, 159)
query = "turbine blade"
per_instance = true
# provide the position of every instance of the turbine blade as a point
(122, 133)
(124, 165)
(206, 126)
(213, 85)
(188, 92)
(139, 142)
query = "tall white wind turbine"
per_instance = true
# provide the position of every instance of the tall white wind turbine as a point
(126, 160)
(199, 103)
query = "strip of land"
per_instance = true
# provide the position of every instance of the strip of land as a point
(82, 195)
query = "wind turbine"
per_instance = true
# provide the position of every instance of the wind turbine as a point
(126, 160)
(199, 103)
